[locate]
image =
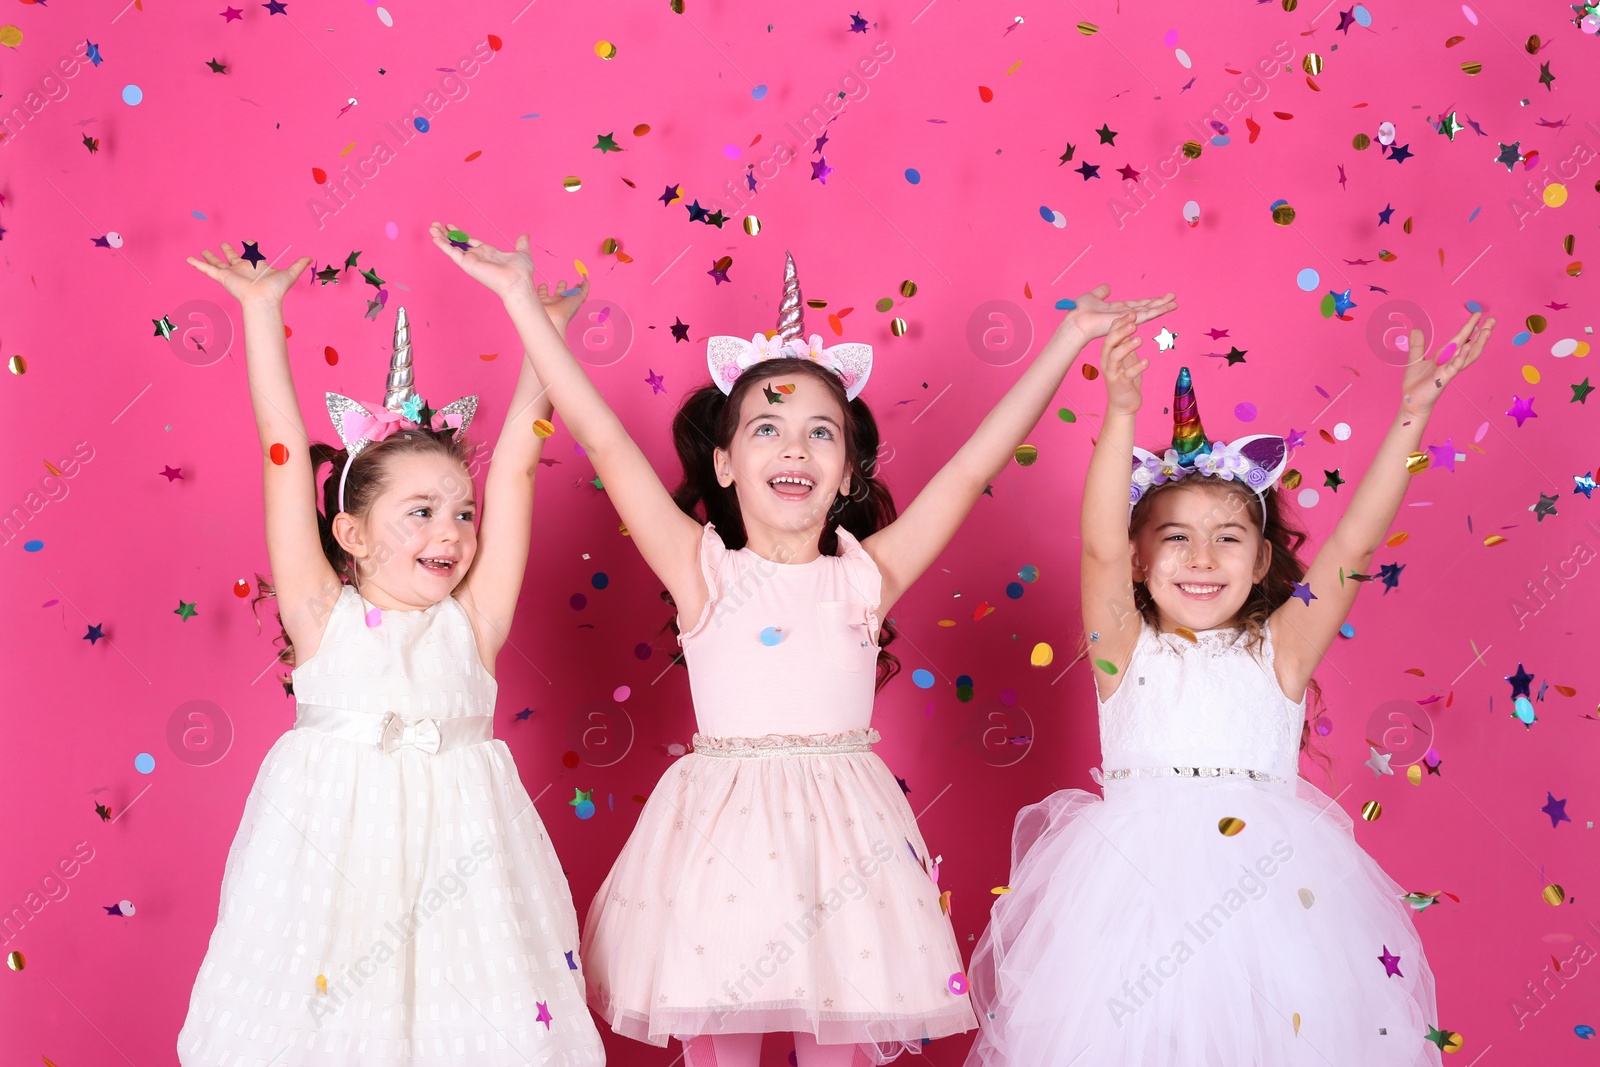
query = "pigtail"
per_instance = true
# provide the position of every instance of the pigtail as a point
(696, 429)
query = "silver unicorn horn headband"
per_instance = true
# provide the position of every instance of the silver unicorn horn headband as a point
(359, 425)
(728, 357)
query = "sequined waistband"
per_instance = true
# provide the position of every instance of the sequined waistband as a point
(786, 744)
(1188, 772)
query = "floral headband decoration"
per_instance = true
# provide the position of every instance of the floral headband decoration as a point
(1257, 461)
(359, 426)
(729, 357)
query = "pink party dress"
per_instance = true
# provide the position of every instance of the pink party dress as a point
(1214, 909)
(391, 897)
(776, 880)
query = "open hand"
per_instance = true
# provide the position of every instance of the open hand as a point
(559, 306)
(505, 273)
(1121, 366)
(246, 283)
(1426, 376)
(1094, 316)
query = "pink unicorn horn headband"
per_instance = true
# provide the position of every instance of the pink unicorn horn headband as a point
(359, 426)
(729, 357)
(1258, 461)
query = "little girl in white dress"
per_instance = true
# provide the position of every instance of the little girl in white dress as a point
(1214, 909)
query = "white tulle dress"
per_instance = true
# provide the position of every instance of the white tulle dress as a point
(391, 897)
(1213, 910)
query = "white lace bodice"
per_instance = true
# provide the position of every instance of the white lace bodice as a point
(1204, 703)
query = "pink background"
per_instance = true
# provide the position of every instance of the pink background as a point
(207, 157)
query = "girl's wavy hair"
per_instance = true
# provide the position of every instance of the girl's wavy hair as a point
(708, 420)
(1283, 532)
(370, 475)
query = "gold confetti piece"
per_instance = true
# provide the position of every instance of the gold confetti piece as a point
(17, 365)
(1229, 826)
(1492, 540)
(1530, 374)
(1532, 45)
(1360, 142)
(10, 36)
(908, 288)
(1013, 68)
(1398, 539)
(752, 225)
(577, 265)
(1471, 68)
(605, 49)
(677, 6)
(897, 327)
(1297, 1023)
(944, 902)
(1187, 634)
(1088, 29)
(1553, 894)
(322, 983)
(1414, 774)
(1026, 455)
(999, 889)
(1090, 372)
(1568, 243)
(1283, 214)
(1537, 323)
(1417, 462)
(1307, 897)
(1371, 810)
(543, 427)
(1311, 64)
(1406, 225)
(1291, 480)
(571, 183)
(1192, 149)
(15, 961)
(608, 246)
(1041, 655)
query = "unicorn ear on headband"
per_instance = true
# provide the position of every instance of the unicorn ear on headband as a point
(729, 357)
(359, 426)
(1258, 461)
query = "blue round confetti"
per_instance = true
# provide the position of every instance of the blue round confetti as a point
(32, 546)
(758, 92)
(913, 175)
(1584, 1031)
(201, 215)
(1308, 279)
(922, 679)
(1363, 16)
(1047, 213)
(421, 124)
(600, 580)
(1066, 304)
(132, 95)
(1014, 590)
(1522, 338)
(578, 601)
(1030, 573)
(1347, 630)
(771, 636)
(584, 809)
(1473, 305)
(144, 763)
(1474, 213)
(1221, 140)
(963, 680)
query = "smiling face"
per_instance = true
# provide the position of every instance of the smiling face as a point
(786, 461)
(1198, 548)
(415, 542)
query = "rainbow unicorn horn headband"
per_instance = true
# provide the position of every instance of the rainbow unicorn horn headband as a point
(729, 357)
(1257, 461)
(358, 426)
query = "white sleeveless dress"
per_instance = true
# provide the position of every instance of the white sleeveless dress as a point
(1219, 917)
(391, 897)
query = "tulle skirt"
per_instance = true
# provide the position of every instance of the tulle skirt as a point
(1138, 934)
(390, 908)
(776, 884)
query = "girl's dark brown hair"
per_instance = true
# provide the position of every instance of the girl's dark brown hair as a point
(1281, 531)
(708, 420)
(369, 477)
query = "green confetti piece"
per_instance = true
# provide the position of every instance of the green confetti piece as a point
(1106, 665)
(1067, 415)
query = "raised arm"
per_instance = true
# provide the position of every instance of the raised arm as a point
(304, 581)
(493, 585)
(1302, 631)
(908, 546)
(1110, 617)
(668, 539)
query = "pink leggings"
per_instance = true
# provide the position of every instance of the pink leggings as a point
(744, 1050)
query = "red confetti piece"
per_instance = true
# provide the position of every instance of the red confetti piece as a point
(985, 93)
(319, 175)
(331, 354)
(279, 454)
(494, 42)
